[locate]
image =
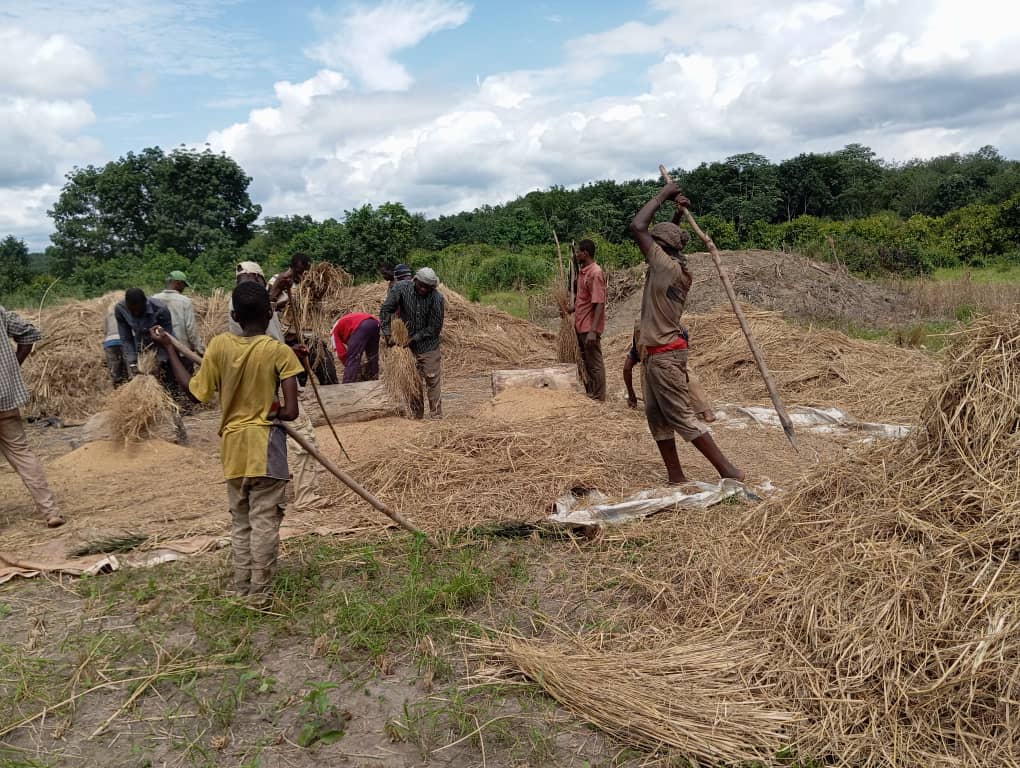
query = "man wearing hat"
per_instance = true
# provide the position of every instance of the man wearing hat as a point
(422, 309)
(668, 402)
(182, 311)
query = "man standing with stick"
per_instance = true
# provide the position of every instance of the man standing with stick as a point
(590, 318)
(665, 381)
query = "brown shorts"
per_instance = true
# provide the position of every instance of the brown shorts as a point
(668, 398)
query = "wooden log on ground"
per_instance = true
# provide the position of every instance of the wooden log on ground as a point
(562, 377)
(345, 404)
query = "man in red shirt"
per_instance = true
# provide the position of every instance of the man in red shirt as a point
(590, 317)
(354, 335)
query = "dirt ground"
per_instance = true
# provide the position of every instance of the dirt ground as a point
(363, 658)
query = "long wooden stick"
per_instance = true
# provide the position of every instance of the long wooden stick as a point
(311, 376)
(756, 352)
(350, 482)
(342, 476)
(559, 255)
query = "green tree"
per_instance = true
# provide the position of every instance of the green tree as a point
(185, 201)
(14, 267)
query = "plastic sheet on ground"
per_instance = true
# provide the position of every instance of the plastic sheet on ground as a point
(594, 509)
(820, 420)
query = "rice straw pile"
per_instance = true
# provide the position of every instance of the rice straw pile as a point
(567, 348)
(66, 372)
(463, 472)
(400, 372)
(138, 408)
(887, 584)
(872, 380)
(476, 338)
(690, 695)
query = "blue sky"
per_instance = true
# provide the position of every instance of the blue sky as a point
(448, 104)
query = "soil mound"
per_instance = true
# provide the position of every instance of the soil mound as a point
(786, 282)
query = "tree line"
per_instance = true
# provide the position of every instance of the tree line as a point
(138, 217)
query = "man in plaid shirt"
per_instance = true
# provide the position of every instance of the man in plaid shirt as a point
(13, 395)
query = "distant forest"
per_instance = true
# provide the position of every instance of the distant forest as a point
(136, 218)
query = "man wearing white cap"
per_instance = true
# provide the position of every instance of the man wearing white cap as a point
(304, 467)
(422, 309)
(182, 311)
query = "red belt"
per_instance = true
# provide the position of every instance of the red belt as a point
(680, 343)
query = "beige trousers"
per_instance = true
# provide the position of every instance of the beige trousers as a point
(430, 368)
(256, 511)
(303, 466)
(15, 448)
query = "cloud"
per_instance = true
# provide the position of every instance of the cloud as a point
(366, 38)
(52, 65)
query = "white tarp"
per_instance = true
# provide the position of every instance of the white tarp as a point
(822, 420)
(594, 508)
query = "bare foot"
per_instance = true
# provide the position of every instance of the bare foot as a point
(681, 480)
(55, 520)
(737, 475)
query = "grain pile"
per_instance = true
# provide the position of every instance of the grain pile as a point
(886, 586)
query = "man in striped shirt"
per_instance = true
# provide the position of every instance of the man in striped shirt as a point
(422, 309)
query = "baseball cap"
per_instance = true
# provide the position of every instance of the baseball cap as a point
(250, 268)
(179, 276)
(426, 276)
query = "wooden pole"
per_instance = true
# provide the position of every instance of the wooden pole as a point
(559, 255)
(308, 370)
(350, 482)
(332, 468)
(756, 352)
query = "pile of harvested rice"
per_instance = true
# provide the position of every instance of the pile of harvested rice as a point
(887, 585)
(400, 372)
(476, 338)
(66, 373)
(138, 408)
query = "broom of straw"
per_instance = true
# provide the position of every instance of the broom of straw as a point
(568, 350)
(332, 468)
(756, 352)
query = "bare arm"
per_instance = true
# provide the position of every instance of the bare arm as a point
(289, 410)
(628, 380)
(643, 220)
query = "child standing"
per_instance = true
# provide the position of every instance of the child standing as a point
(247, 371)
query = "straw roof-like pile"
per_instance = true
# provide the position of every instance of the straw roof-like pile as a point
(886, 585)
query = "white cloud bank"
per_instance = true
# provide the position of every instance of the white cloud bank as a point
(909, 78)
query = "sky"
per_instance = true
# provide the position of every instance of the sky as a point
(446, 105)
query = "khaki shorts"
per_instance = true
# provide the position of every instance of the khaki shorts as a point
(668, 398)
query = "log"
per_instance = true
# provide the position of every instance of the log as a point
(562, 377)
(345, 403)
(348, 403)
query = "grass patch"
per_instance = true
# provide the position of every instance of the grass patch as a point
(516, 303)
(999, 273)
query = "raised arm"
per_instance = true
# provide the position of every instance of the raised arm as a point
(23, 333)
(643, 220)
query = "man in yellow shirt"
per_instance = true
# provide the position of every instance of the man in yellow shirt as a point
(248, 371)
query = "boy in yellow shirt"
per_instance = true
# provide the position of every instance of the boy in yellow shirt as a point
(247, 371)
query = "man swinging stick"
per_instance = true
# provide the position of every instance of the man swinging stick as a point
(665, 381)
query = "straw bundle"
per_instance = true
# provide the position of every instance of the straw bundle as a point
(567, 348)
(138, 407)
(690, 695)
(213, 312)
(400, 372)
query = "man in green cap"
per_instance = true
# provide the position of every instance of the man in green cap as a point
(182, 311)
